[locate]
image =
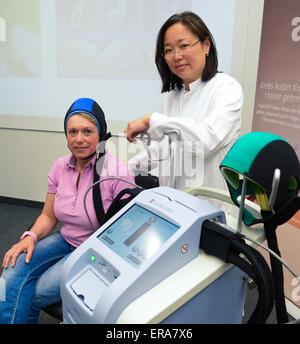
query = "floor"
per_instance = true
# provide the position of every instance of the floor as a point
(15, 220)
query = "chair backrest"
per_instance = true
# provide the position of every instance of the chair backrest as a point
(118, 203)
(145, 181)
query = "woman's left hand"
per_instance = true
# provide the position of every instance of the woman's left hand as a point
(137, 127)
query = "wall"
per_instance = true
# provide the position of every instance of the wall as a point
(246, 53)
(26, 155)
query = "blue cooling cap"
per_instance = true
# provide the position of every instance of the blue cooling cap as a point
(91, 108)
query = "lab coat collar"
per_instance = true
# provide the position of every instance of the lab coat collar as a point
(194, 84)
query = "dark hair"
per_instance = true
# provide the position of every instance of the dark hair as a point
(196, 25)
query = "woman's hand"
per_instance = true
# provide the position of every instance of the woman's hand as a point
(137, 127)
(26, 245)
(42, 227)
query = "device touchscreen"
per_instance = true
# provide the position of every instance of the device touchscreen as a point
(137, 234)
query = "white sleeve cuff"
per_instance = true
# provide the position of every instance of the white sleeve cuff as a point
(157, 125)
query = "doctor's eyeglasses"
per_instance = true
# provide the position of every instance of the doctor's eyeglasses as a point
(169, 52)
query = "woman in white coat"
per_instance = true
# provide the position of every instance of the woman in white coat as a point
(204, 105)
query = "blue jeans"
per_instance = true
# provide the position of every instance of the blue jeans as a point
(31, 287)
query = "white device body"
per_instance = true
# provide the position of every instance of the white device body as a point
(149, 239)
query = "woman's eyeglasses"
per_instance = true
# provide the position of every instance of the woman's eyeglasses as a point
(182, 48)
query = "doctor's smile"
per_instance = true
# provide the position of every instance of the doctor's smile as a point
(181, 68)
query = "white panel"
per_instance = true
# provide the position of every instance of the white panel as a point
(57, 51)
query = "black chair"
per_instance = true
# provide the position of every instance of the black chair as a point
(55, 310)
(147, 181)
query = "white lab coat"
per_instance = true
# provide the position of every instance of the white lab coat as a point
(209, 119)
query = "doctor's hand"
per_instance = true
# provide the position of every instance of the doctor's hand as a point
(26, 245)
(137, 127)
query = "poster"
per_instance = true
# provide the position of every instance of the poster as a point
(110, 39)
(277, 106)
(21, 55)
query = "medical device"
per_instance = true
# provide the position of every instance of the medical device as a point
(174, 140)
(154, 261)
(150, 239)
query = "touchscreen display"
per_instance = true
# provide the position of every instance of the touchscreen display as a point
(137, 234)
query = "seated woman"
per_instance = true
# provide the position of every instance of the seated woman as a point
(32, 267)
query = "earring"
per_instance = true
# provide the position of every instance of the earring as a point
(206, 54)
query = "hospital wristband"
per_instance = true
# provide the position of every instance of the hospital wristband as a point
(33, 235)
